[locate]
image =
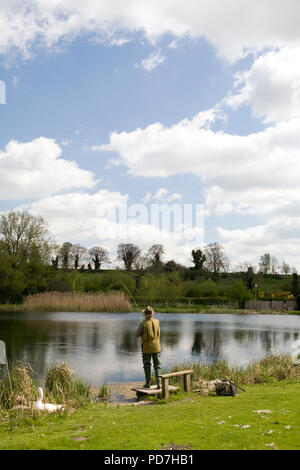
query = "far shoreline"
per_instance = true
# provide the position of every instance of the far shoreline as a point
(16, 308)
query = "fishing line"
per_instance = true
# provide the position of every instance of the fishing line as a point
(130, 295)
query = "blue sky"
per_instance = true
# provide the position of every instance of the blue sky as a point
(74, 89)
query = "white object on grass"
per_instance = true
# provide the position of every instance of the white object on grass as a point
(39, 405)
(2, 353)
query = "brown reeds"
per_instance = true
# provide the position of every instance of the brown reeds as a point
(74, 302)
(20, 390)
(62, 386)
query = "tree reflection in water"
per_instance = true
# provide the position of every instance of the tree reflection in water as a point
(104, 346)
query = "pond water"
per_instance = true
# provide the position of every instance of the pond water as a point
(103, 346)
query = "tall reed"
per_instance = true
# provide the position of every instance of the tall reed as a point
(274, 368)
(20, 390)
(62, 386)
(71, 302)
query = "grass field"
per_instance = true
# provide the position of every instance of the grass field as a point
(189, 421)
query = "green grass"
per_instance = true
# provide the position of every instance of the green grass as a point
(194, 421)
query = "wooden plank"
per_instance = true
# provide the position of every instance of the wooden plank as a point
(187, 383)
(153, 390)
(173, 374)
(165, 388)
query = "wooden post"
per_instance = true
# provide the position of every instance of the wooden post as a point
(187, 383)
(165, 388)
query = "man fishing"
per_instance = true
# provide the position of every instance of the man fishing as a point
(149, 330)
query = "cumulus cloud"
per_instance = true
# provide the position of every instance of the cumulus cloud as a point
(233, 27)
(278, 236)
(34, 169)
(231, 166)
(271, 87)
(255, 175)
(106, 218)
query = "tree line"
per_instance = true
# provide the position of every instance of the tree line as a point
(30, 259)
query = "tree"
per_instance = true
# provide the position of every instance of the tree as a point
(265, 263)
(249, 278)
(216, 261)
(77, 253)
(199, 259)
(22, 233)
(154, 257)
(128, 253)
(98, 256)
(25, 248)
(285, 268)
(171, 266)
(65, 254)
(274, 264)
(240, 293)
(295, 285)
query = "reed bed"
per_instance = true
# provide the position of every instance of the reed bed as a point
(62, 386)
(116, 302)
(19, 392)
(274, 368)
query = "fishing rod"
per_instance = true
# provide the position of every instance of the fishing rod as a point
(230, 381)
(130, 295)
(123, 284)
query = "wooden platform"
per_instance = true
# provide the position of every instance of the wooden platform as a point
(152, 391)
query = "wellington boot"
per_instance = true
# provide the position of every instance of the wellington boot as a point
(147, 384)
(157, 374)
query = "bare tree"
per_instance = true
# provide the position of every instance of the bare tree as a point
(244, 266)
(285, 267)
(77, 253)
(154, 257)
(98, 256)
(65, 254)
(274, 264)
(128, 253)
(216, 261)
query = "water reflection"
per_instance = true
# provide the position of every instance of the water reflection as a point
(104, 346)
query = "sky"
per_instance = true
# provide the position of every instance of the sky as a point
(130, 107)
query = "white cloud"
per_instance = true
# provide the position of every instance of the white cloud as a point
(258, 172)
(153, 60)
(35, 169)
(271, 87)
(162, 195)
(92, 219)
(256, 175)
(279, 237)
(233, 27)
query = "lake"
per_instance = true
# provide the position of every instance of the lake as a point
(103, 346)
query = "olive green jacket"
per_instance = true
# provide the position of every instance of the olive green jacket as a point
(149, 330)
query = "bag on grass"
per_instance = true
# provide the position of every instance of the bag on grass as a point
(226, 389)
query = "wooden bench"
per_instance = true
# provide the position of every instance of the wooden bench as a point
(186, 381)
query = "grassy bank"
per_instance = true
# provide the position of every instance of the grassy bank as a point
(162, 309)
(217, 309)
(266, 416)
(195, 422)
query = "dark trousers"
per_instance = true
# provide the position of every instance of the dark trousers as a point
(147, 361)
